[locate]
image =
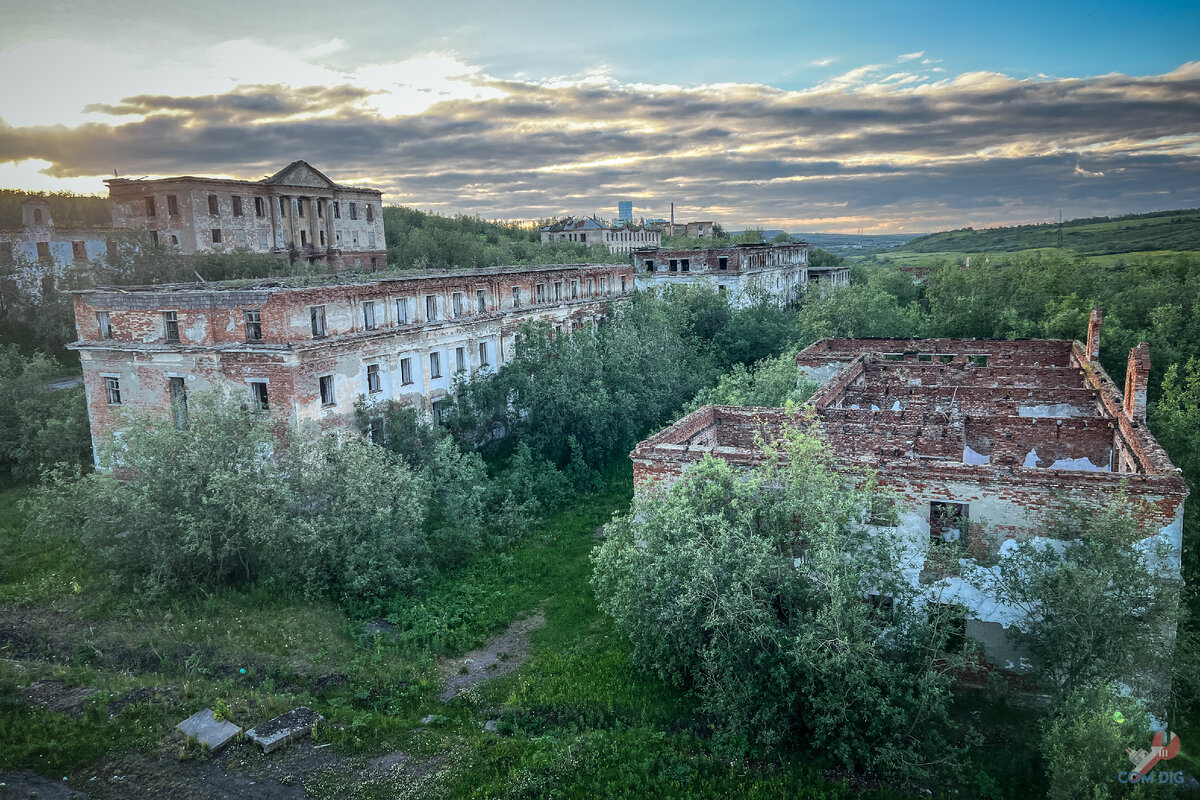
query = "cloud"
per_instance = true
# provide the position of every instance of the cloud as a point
(822, 62)
(870, 146)
(911, 56)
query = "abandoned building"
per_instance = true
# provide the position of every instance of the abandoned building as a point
(297, 212)
(308, 349)
(42, 249)
(740, 272)
(592, 230)
(981, 441)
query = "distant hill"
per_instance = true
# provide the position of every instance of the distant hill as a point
(843, 241)
(1159, 230)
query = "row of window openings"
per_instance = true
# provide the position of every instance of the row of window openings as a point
(375, 380)
(260, 207)
(178, 392)
(943, 358)
(684, 264)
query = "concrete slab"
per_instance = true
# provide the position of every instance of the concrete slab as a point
(204, 728)
(276, 733)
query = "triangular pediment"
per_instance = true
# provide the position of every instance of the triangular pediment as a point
(301, 173)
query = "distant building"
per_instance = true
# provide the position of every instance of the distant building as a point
(625, 211)
(591, 230)
(739, 272)
(696, 230)
(297, 212)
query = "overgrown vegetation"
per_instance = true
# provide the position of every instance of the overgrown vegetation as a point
(68, 209)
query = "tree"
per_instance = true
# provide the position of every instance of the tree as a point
(747, 587)
(39, 426)
(769, 383)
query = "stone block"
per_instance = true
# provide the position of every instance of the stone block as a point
(204, 728)
(276, 733)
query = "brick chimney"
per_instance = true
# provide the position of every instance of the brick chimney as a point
(1093, 340)
(1137, 380)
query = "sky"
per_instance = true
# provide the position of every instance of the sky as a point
(891, 117)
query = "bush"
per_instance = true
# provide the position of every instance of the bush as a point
(39, 426)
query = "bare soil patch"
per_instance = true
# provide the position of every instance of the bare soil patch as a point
(501, 655)
(53, 696)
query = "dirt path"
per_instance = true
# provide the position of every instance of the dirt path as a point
(501, 655)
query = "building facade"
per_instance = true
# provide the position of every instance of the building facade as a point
(298, 212)
(308, 352)
(625, 212)
(590, 230)
(981, 443)
(739, 272)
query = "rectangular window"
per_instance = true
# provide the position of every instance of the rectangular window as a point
(723, 262)
(575, 289)
(282, 205)
(110, 249)
(649, 265)
(354, 211)
(369, 315)
(516, 292)
(304, 238)
(541, 292)
(374, 385)
(558, 291)
(113, 387)
(322, 238)
(685, 265)
(436, 407)
(483, 354)
(216, 235)
(370, 238)
(260, 208)
(456, 303)
(460, 359)
(105, 325)
(947, 521)
(604, 286)
(402, 311)
(435, 365)
(320, 208)
(337, 209)
(316, 315)
(431, 304)
(481, 300)
(212, 204)
(253, 325)
(370, 213)
(674, 265)
(328, 398)
(300, 207)
(258, 391)
(721, 289)
(406, 371)
(263, 242)
(171, 325)
(237, 205)
(172, 206)
(622, 284)
(151, 211)
(178, 402)
(590, 286)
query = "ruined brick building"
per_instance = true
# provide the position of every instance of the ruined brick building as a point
(309, 348)
(990, 438)
(297, 212)
(591, 230)
(739, 272)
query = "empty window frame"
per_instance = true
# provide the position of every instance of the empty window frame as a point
(558, 294)
(258, 393)
(977, 361)
(112, 386)
(304, 238)
(622, 284)
(685, 265)
(483, 354)
(374, 384)
(723, 262)
(322, 234)
(406, 371)
(237, 205)
(456, 304)
(541, 292)
(178, 402)
(260, 207)
(104, 324)
(283, 205)
(354, 211)
(947, 521)
(431, 307)
(370, 213)
(435, 364)
(328, 398)
(575, 289)
(674, 265)
(368, 308)
(481, 300)
(213, 208)
(300, 207)
(460, 359)
(402, 311)
(649, 265)
(172, 206)
(151, 210)
(516, 296)
(604, 286)
(171, 325)
(216, 235)
(79, 251)
(316, 316)
(320, 208)
(337, 209)
(590, 287)
(253, 325)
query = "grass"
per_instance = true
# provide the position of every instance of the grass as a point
(897, 258)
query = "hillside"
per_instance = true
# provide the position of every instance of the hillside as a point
(1159, 230)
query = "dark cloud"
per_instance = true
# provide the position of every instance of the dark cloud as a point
(976, 149)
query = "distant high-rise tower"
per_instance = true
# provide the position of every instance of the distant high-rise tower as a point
(625, 211)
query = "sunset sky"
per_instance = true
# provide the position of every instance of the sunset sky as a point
(897, 117)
